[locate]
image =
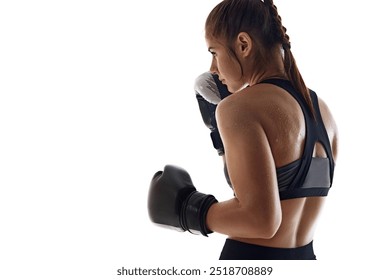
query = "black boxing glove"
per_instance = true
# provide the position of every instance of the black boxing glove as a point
(174, 202)
(209, 92)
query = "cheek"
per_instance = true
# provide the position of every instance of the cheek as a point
(232, 70)
(227, 66)
(233, 76)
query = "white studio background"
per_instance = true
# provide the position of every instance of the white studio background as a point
(96, 96)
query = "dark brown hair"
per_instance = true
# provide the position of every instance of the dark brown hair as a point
(260, 19)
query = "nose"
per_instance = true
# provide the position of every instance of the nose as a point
(213, 67)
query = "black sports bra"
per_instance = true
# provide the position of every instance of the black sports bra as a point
(307, 176)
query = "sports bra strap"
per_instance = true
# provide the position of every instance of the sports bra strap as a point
(315, 132)
(323, 137)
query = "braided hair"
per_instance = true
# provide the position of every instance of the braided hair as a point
(261, 20)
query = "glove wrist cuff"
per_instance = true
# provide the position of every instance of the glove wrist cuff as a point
(194, 213)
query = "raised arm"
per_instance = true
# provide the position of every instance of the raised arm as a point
(255, 211)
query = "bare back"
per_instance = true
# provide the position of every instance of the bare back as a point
(283, 122)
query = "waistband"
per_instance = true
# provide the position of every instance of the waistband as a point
(237, 250)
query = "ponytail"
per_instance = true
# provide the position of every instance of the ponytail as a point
(290, 65)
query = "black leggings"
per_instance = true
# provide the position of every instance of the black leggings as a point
(236, 250)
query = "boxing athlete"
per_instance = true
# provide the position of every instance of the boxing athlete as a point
(279, 143)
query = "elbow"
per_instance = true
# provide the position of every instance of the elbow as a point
(271, 227)
(266, 226)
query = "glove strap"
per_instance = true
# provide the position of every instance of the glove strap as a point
(194, 211)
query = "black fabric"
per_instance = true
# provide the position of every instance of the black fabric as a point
(292, 177)
(307, 176)
(237, 250)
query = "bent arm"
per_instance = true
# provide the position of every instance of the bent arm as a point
(255, 211)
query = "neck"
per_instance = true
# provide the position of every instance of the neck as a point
(274, 70)
(267, 75)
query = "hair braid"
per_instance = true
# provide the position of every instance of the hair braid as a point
(290, 66)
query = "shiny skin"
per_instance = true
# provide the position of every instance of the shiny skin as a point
(262, 128)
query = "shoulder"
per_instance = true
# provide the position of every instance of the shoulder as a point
(239, 121)
(265, 104)
(247, 101)
(234, 107)
(330, 125)
(326, 113)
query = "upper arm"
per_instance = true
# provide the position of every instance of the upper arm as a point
(249, 160)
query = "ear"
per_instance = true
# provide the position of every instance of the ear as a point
(244, 44)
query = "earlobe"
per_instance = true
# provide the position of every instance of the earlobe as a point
(244, 43)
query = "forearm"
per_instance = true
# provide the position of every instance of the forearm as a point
(234, 219)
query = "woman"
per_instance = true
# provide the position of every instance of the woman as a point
(262, 127)
(280, 143)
